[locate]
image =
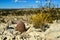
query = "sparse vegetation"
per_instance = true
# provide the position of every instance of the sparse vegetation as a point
(39, 17)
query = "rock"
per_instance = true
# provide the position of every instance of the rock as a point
(17, 37)
(53, 36)
(21, 26)
(10, 27)
(1, 37)
(58, 21)
(28, 25)
(16, 33)
(3, 26)
(36, 36)
(54, 27)
(8, 38)
(10, 33)
(53, 33)
(31, 29)
(14, 22)
(25, 35)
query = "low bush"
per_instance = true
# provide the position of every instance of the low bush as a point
(40, 19)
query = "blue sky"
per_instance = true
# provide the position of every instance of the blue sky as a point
(25, 3)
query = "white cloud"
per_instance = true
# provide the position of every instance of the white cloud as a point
(15, 0)
(20, 1)
(37, 1)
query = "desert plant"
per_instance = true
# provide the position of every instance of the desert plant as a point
(40, 19)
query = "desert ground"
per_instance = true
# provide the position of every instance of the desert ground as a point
(39, 25)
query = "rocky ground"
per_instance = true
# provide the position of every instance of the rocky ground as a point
(8, 30)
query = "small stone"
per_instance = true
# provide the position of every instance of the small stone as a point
(21, 26)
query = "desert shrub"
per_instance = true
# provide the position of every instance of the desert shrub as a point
(40, 19)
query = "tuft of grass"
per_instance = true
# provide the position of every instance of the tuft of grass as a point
(40, 19)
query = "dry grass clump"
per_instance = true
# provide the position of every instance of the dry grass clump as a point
(40, 19)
